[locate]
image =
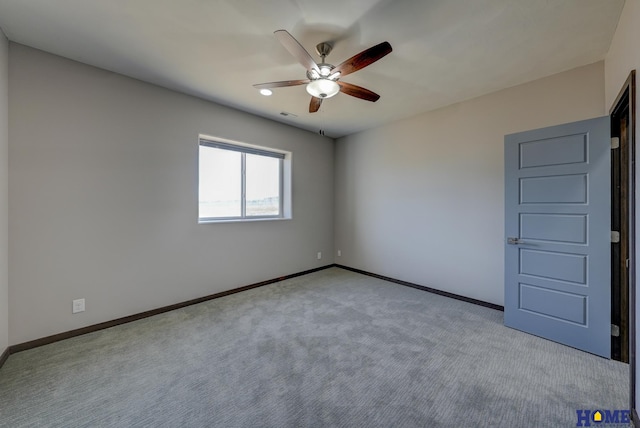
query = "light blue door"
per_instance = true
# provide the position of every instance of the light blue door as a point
(558, 234)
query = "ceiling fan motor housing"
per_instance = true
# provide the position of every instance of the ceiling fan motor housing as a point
(325, 71)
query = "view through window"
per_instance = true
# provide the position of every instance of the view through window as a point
(239, 182)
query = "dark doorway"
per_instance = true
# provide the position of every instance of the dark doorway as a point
(620, 218)
(623, 287)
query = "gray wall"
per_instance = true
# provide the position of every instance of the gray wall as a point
(103, 198)
(4, 171)
(422, 199)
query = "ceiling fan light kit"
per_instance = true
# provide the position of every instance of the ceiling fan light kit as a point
(323, 88)
(323, 78)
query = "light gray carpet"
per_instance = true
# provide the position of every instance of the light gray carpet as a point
(332, 348)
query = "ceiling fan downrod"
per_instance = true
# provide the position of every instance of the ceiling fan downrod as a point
(324, 49)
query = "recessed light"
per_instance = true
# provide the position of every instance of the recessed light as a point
(266, 92)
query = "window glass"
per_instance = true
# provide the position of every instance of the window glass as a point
(262, 185)
(220, 187)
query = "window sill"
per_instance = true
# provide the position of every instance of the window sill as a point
(241, 220)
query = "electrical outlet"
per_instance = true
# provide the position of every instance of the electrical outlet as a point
(319, 255)
(339, 253)
(78, 306)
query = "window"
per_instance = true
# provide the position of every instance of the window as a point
(241, 182)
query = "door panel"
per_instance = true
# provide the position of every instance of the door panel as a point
(559, 189)
(571, 229)
(557, 219)
(554, 151)
(553, 303)
(555, 266)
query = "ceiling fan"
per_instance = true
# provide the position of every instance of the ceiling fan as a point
(323, 80)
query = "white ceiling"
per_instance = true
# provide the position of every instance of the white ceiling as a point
(444, 51)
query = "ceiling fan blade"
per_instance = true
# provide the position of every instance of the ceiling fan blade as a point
(281, 84)
(295, 48)
(364, 58)
(358, 91)
(314, 105)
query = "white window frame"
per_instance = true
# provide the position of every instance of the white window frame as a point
(244, 148)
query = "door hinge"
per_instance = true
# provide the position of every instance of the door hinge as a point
(615, 236)
(626, 262)
(615, 330)
(615, 143)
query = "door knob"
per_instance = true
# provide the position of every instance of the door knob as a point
(514, 241)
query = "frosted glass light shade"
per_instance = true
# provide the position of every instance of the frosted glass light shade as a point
(323, 88)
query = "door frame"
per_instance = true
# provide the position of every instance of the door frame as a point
(626, 100)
